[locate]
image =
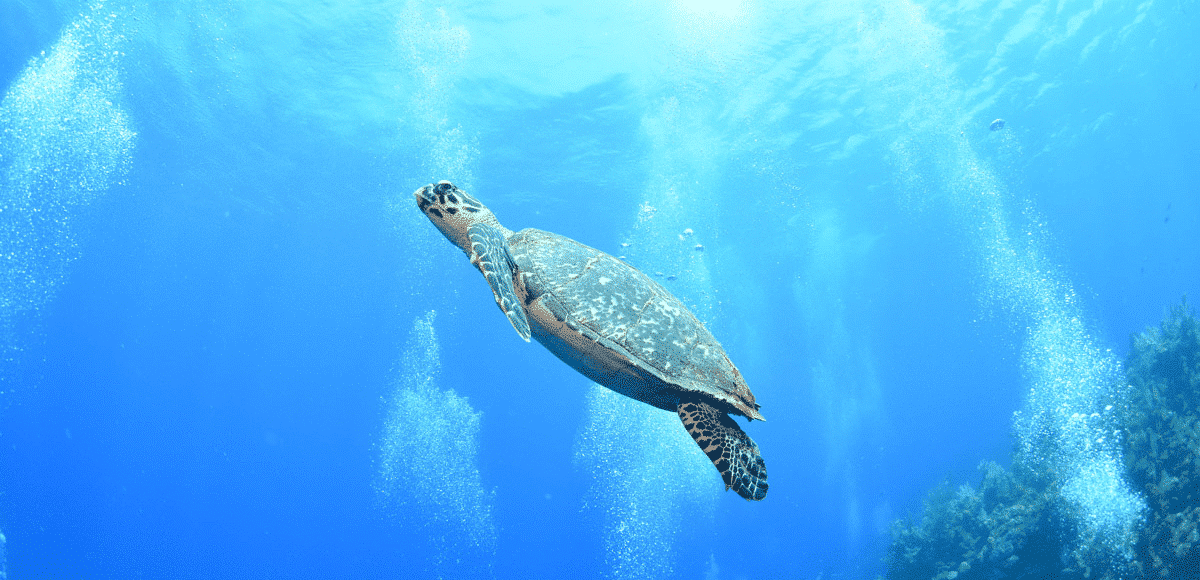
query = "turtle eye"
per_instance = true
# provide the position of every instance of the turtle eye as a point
(443, 187)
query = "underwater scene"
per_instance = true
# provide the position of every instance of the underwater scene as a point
(269, 307)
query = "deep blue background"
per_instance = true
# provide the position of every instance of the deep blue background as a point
(202, 394)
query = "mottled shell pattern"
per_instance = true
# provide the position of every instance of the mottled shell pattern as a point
(617, 302)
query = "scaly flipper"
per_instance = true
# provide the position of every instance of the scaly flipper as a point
(489, 253)
(729, 448)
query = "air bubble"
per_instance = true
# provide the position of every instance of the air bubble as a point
(624, 446)
(427, 474)
(64, 142)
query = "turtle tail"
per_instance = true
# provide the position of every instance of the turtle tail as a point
(733, 453)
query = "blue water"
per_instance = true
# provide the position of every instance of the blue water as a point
(232, 347)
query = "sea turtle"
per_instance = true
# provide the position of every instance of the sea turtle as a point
(611, 323)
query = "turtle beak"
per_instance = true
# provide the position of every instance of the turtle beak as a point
(425, 196)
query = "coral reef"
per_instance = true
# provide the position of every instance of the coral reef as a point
(971, 533)
(1019, 523)
(1162, 434)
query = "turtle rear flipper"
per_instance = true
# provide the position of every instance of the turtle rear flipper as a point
(489, 253)
(729, 448)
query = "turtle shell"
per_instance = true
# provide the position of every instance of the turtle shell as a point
(620, 328)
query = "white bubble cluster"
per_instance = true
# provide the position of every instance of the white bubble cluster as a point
(433, 50)
(427, 475)
(1066, 428)
(647, 477)
(64, 139)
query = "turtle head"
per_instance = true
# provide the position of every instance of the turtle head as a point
(454, 211)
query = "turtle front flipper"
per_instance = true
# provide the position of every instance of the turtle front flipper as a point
(489, 253)
(729, 448)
